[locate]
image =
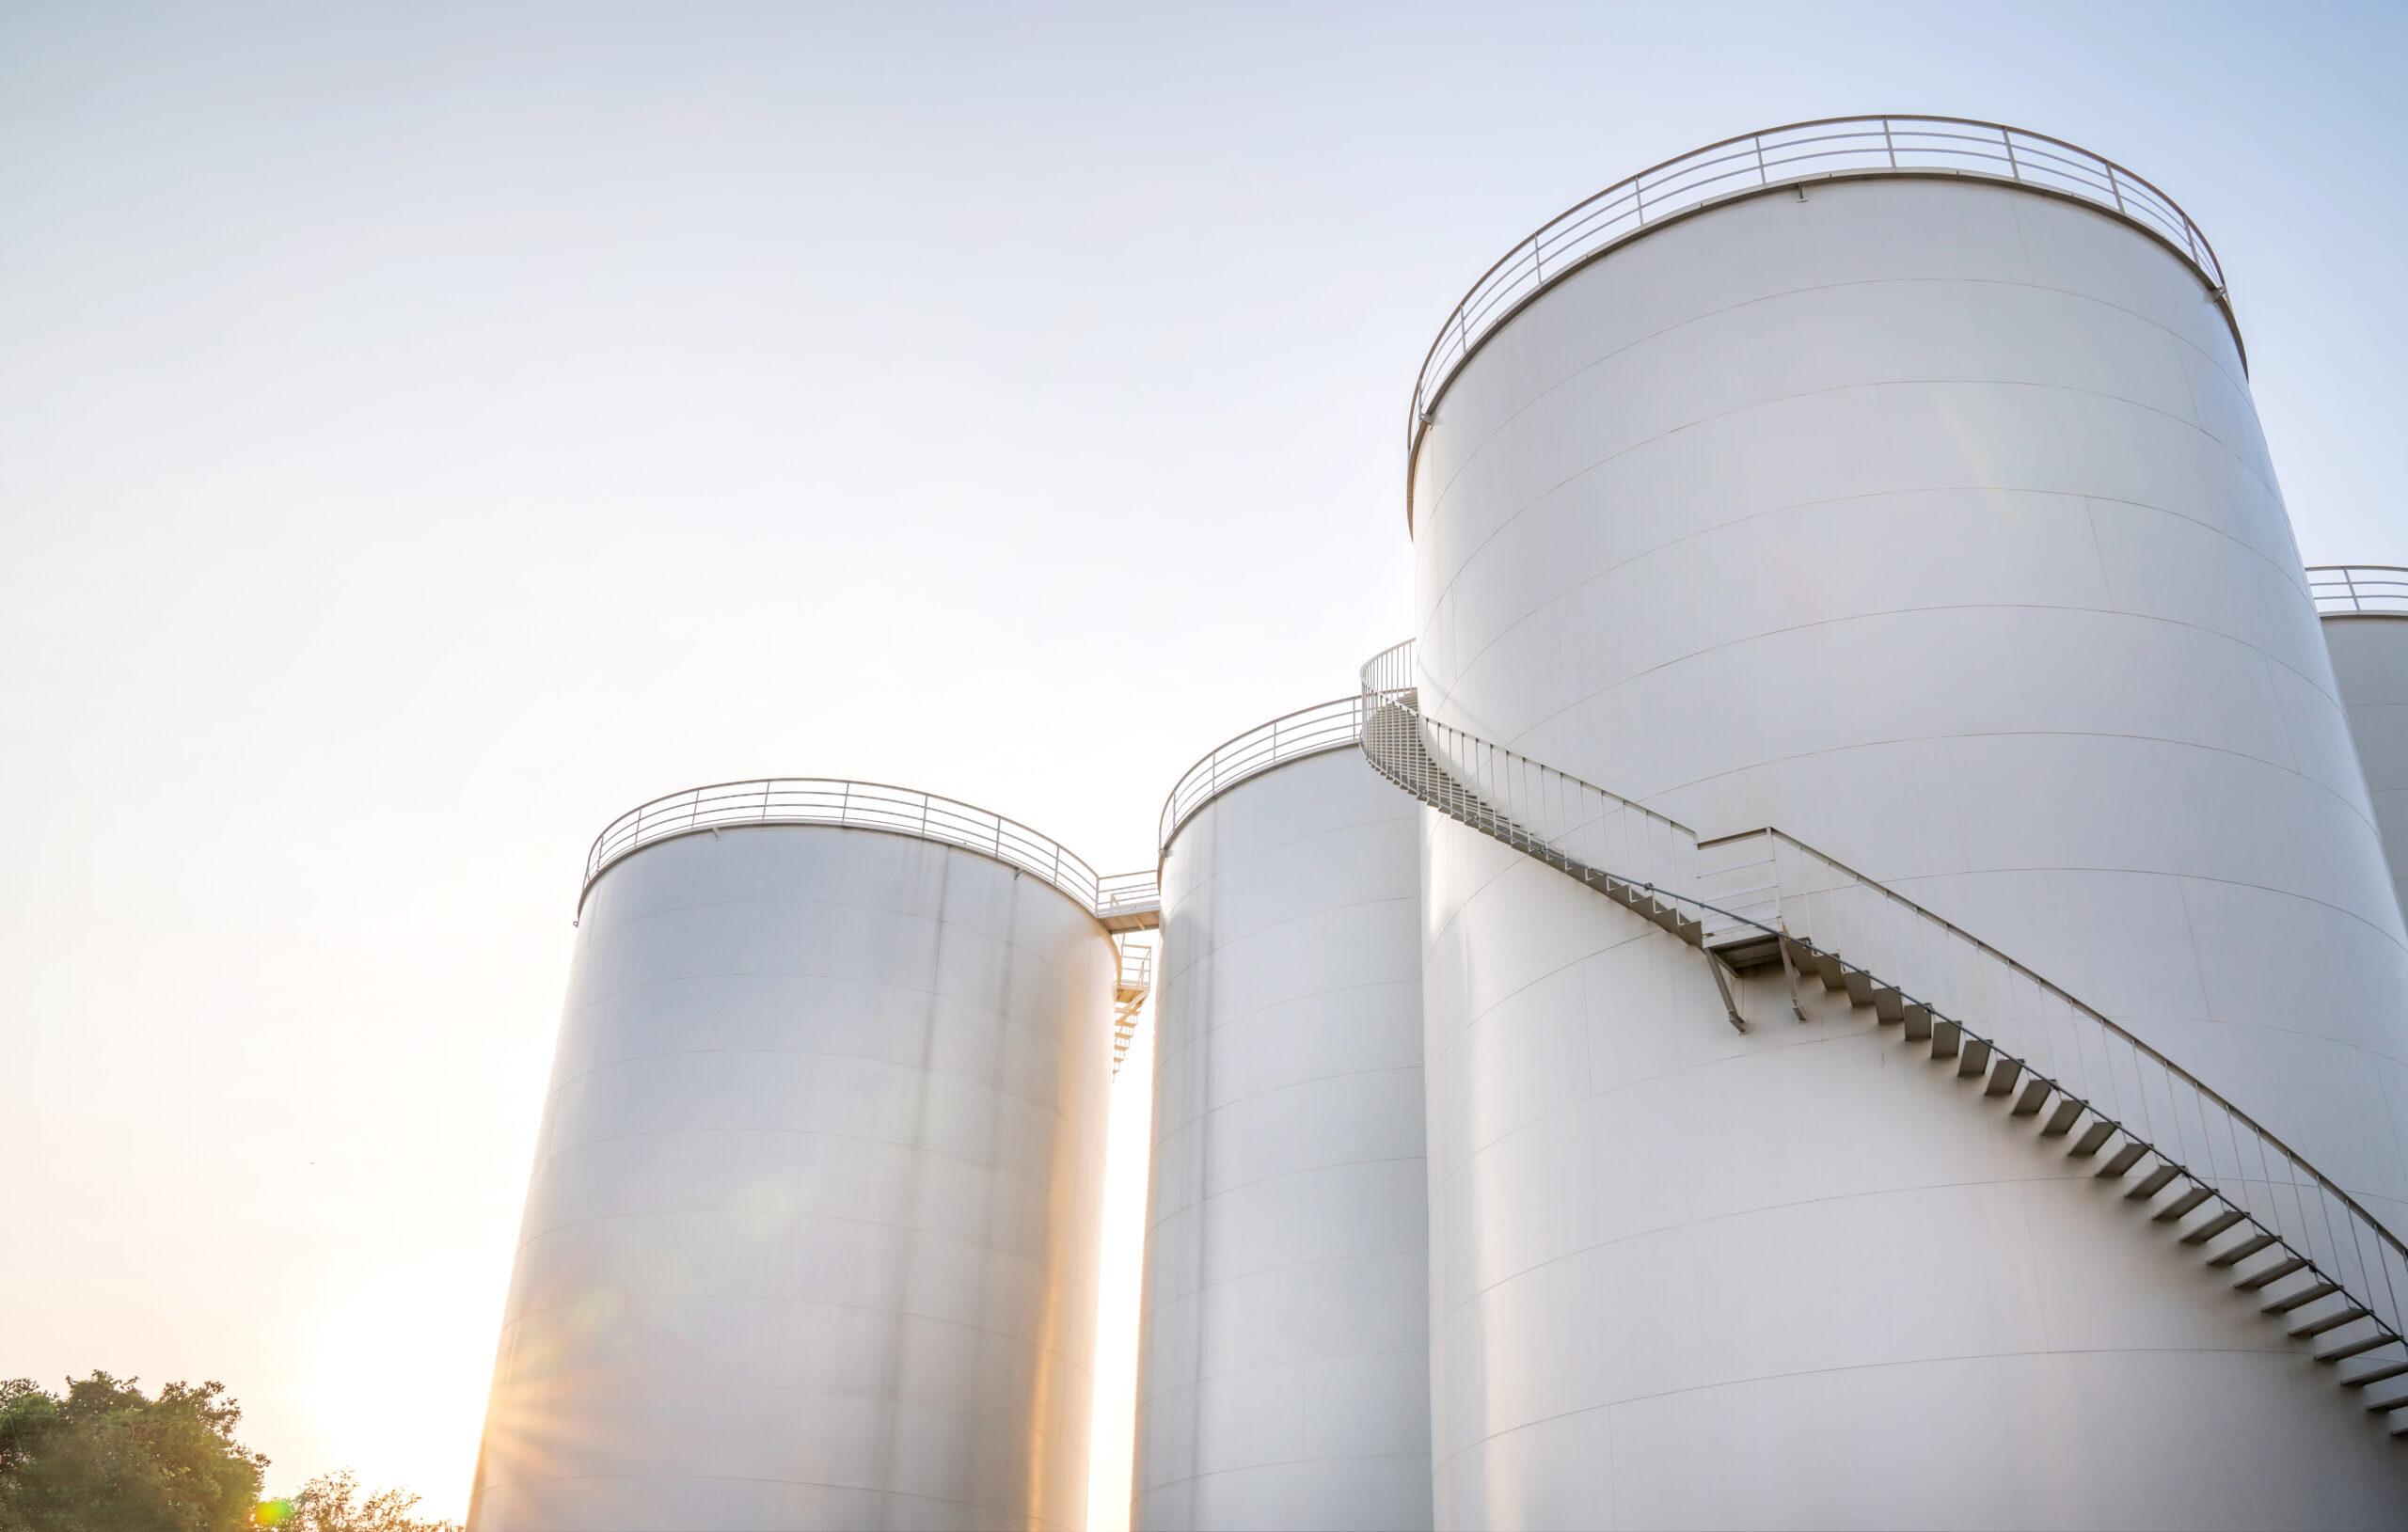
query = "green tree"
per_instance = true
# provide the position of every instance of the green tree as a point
(105, 1457)
(330, 1503)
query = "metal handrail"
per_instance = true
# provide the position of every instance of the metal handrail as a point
(867, 805)
(2359, 588)
(1309, 731)
(1824, 149)
(2064, 1055)
(1131, 991)
(1389, 673)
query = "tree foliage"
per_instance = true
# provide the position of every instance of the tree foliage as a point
(106, 1458)
(331, 1503)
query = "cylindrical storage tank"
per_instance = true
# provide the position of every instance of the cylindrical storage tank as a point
(1283, 1366)
(813, 1232)
(1916, 507)
(2366, 631)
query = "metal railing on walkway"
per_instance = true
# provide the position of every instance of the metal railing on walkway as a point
(2359, 588)
(1309, 731)
(1799, 152)
(1120, 900)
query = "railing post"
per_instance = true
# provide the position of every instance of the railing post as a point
(2014, 166)
(1890, 142)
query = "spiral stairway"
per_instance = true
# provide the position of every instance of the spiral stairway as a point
(2294, 1243)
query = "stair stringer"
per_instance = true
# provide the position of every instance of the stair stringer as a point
(2295, 1241)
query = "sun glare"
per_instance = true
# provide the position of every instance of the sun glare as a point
(402, 1366)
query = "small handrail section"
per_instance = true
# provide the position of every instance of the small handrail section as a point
(1114, 898)
(1768, 895)
(1136, 983)
(2359, 588)
(1309, 731)
(1822, 149)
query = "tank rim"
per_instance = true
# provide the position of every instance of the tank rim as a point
(1601, 224)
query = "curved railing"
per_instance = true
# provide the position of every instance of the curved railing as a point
(1309, 731)
(1821, 150)
(868, 805)
(1764, 891)
(1390, 673)
(2359, 588)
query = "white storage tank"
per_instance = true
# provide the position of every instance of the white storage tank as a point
(1283, 1379)
(1894, 483)
(2365, 610)
(813, 1232)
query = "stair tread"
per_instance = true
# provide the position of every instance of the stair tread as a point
(2306, 1295)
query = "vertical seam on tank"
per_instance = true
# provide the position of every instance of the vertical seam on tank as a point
(1206, 1047)
(890, 1402)
(2023, 250)
(1044, 1348)
(2283, 719)
(2198, 959)
(1614, 1464)
(2099, 555)
(2031, 1263)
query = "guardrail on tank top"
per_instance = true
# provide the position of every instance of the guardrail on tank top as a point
(1309, 731)
(2359, 588)
(1799, 152)
(866, 805)
(2138, 1109)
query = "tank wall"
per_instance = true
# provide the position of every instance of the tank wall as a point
(2370, 665)
(1929, 522)
(1283, 1376)
(1805, 1277)
(812, 1237)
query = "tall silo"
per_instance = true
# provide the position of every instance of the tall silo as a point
(2365, 611)
(1283, 1353)
(812, 1235)
(1895, 483)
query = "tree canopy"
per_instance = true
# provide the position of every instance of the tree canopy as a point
(330, 1503)
(106, 1458)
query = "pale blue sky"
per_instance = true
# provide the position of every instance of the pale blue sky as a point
(427, 430)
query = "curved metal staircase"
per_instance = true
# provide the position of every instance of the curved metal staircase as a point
(2296, 1244)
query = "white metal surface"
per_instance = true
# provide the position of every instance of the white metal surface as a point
(1283, 1366)
(812, 1235)
(2366, 631)
(1929, 521)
